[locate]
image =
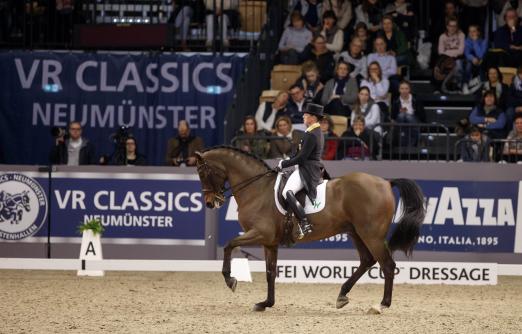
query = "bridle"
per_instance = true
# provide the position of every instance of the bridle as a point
(206, 170)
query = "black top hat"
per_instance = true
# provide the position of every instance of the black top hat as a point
(314, 109)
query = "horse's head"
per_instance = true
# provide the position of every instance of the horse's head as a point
(213, 182)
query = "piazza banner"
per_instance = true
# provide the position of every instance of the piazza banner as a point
(462, 216)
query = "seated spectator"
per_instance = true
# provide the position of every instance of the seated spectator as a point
(310, 81)
(340, 92)
(406, 109)
(475, 48)
(331, 32)
(452, 41)
(357, 60)
(284, 148)
(509, 38)
(252, 145)
(311, 11)
(131, 157)
(370, 13)
(475, 147)
(73, 151)
(403, 15)
(330, 145)
(229, 14)
(182, 15)
(387, 62)
(367, 147)
(395, 40)
(378, 87)
(268, 112)
(181, 150)
(367, 108)
(342, 10)
(296, 105)
(361, 32)
(513, 149)
(294, 40)
(488, 116)
(515, 98)
(494, 83)
(450, 50)
(322, 57)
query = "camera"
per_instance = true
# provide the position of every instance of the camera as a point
(121, 135)
(58, 132)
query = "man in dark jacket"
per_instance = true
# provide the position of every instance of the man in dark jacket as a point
(309, 172)
(181, 150)
(73, 151)
(509, 38)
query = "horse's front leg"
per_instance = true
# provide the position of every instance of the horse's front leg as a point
(271, 267)
(249, 238)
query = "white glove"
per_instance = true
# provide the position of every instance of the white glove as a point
(280, 164)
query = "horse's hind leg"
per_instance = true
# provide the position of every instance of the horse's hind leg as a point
(367, 261)
(382, 254)
(249, 238)
(271, 267)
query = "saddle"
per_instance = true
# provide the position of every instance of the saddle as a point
(290, 224)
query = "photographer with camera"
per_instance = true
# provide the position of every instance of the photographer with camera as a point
(181, 149)
(71, 148)
(131, 156)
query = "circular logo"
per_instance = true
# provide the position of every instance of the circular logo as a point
(23, 206)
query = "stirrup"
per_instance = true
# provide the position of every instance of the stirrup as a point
(304, 228)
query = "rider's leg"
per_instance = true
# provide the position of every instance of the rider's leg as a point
(293, 185)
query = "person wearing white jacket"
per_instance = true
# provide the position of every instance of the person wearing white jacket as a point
(377, 85)
(367, 108)
(331, 32)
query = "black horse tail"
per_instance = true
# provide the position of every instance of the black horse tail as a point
(407, 232)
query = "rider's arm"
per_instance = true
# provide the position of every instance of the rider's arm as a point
(309, 142)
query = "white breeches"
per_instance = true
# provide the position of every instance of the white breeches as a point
(294, 183)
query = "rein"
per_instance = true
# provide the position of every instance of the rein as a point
(246, 183)
(242, 185)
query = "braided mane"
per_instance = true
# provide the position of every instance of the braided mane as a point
(235, 149)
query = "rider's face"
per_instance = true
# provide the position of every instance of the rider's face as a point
(309, 119)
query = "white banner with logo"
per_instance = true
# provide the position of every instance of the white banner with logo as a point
(296, 271)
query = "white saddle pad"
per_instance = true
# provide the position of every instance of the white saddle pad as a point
(320, 200)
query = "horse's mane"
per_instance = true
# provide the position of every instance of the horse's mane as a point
(245, 153)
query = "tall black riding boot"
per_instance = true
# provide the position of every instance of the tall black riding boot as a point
(293, 203)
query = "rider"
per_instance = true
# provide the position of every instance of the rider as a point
(308, 161)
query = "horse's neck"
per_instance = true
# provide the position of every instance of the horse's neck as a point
(239, 175)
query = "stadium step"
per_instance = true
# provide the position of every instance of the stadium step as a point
(446, 115)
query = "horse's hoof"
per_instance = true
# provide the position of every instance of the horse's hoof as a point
(259, 307)
(376, 309)
(342, 301)
(233, 284)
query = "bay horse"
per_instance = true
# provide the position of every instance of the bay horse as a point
(359, 204)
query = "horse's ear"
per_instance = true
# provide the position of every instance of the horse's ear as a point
(199, 156)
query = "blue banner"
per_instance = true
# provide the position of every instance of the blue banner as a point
(138, 206)
(149, 93)
(462, 216)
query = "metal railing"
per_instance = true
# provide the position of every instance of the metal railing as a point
(413, 141)
(496, 150)
(61, 24)
(351, 148)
